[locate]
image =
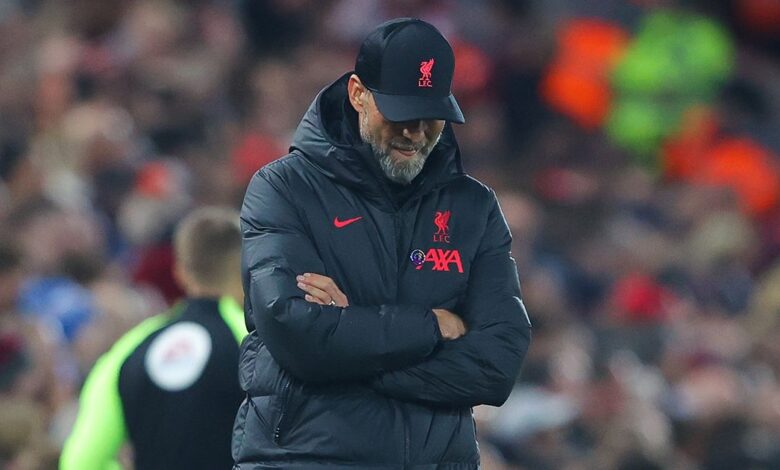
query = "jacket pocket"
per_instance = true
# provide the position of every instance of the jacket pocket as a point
(260, 408)
(273, 411)
(284, 409)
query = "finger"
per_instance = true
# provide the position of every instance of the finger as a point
(313, 300)
(315, 292)
(341, 299)
(324, 283)
(327, 285)
(318, 280)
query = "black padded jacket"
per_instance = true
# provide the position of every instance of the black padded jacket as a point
(372, 385)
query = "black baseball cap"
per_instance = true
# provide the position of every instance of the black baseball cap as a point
(408, 66)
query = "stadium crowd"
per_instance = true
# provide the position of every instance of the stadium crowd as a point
(633, 146)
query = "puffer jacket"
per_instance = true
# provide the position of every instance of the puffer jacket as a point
(372, 385)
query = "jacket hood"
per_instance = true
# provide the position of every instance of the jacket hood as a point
(327, 137)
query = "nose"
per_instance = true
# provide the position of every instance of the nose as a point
(414, 130)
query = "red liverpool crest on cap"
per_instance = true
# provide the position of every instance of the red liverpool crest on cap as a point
(426, 67)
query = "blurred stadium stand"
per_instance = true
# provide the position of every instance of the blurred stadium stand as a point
(633, 145)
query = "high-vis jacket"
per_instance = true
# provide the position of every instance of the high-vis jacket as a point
(372, 385)
(169, 386)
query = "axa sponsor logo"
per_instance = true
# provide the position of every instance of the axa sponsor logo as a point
(442, 260)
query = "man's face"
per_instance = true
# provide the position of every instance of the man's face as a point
(400, 147)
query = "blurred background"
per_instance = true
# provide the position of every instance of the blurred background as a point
(633, 145)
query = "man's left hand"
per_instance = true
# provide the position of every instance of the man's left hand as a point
(321, 290)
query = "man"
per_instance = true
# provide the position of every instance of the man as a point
(367, 251)
(170, 385)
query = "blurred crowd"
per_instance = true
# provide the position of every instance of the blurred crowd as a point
(633, 145)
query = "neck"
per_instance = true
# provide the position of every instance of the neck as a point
(204, 291)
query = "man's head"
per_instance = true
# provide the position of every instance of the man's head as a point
(401, 147)
(207, 244)
(401, 92)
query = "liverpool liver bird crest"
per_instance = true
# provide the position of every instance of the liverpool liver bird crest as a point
(442, 221)
(426, 67)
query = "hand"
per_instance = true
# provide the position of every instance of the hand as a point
(450, 325)
(321, 290)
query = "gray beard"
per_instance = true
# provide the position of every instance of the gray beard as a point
(398, 172)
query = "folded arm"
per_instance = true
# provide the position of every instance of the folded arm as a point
(480, 367)
(317, 343)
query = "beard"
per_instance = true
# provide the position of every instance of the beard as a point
(398, 171)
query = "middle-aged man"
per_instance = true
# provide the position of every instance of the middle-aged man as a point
(381, 296)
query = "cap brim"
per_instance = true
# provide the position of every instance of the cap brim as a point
(398, 108)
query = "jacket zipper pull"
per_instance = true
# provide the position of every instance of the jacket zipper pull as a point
(278, 429)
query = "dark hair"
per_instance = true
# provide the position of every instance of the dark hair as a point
(208, 243)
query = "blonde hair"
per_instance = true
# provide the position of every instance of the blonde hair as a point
(207, 244)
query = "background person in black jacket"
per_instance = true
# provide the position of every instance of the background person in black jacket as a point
(169, 385)
(367, 251)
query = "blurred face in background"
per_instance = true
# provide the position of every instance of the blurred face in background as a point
(400, 147)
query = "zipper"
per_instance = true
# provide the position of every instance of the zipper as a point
(282, 412)
(402, 258)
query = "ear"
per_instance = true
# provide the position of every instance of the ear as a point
(356, 92)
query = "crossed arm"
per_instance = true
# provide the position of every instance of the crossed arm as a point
(474, 367)
(317, 343)
(405, 351)
(322, 290)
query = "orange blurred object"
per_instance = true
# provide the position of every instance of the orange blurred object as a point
(577, 82)
(683, 154)
(582, 97)
(593, 42)
(748, 169)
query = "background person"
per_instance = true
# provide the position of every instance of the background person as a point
(169, 386)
